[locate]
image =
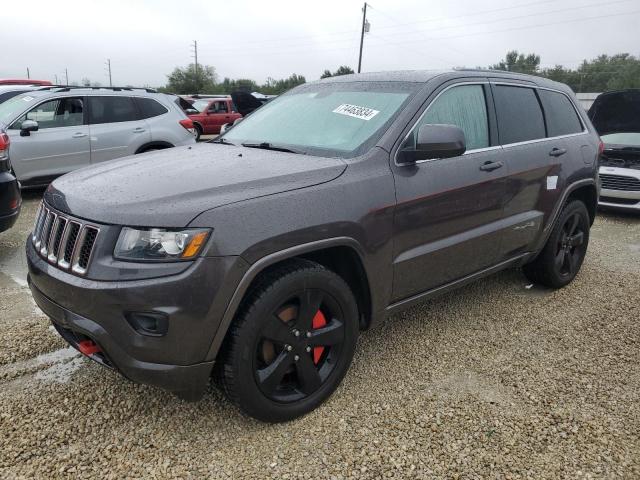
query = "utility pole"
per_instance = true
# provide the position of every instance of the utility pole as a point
(195, 54)
(108, 63)
(28, 73)
(66, 74)
(56, 79)
(364, 22)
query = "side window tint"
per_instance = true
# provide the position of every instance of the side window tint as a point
(150, 108)
(61, 112)
(111, 110)
(519, 114)
(561, 116)
(464, 106)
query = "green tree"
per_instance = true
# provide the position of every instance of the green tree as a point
(342, 70)
(518, 62)
(186, 80)
(276, 87)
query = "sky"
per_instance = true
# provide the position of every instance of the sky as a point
(145, 40)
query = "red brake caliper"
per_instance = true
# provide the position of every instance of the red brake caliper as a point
(319, 321)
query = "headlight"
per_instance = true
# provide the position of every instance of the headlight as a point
(160, 244)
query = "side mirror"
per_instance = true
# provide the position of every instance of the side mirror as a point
(27, 127)
(435, 141)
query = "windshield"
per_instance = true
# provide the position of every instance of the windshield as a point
(630, 139)
(330, 119)
(14, 106)
(200, 105)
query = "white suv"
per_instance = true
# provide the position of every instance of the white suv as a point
(55, 130)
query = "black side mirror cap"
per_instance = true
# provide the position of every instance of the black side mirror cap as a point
(435, 141)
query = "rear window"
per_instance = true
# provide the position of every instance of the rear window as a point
(560, 114)
(111, 110)
(150, 108)
(519, 114)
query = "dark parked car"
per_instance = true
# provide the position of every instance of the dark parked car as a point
(260, 256)
(616, 116)
(10, 199)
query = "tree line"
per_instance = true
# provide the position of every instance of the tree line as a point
(204, 79)
(603, 73)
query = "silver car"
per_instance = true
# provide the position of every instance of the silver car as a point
(55, 130)
(616, 116)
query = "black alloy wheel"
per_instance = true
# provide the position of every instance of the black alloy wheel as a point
(561, 258)
(291, 343)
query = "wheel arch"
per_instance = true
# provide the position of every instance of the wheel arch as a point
(343, 256)
(158, 144)
(588, 194)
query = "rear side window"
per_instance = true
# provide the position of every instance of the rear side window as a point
(150, 108)
(111, 110)
(560, 114)
(519, 114)
(463, 106)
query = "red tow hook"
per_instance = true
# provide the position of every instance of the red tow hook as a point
(88, 347)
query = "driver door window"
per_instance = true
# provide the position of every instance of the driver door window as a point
(61, 112)
(218, 107)
(464, 106)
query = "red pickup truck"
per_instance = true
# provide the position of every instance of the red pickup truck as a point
(212, 113)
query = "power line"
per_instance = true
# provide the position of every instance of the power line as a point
(517, 17)
(525, 27)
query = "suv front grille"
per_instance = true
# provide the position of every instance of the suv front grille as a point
(63, 241)
(620, 182)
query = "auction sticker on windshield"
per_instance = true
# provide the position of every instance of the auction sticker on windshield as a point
(363, 113)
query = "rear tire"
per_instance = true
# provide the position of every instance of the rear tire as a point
(561, 258)
(291, 343)
(198, 132)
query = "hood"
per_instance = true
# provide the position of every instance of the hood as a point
(168, 188)
(616, 112)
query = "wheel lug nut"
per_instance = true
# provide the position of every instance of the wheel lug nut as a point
(308, 334)
(296, 333)
(296, 358)
(288, 348)
(308, 349)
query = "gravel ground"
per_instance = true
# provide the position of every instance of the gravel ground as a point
(495, 380)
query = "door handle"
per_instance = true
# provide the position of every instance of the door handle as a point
(79, 135)
(491, 166)
(139, 130)
(556, 152)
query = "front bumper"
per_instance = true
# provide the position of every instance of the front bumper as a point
(9, 195)
(193, 303)
(622, 194)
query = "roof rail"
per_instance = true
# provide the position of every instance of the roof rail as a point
(204, 95)
(66, 88)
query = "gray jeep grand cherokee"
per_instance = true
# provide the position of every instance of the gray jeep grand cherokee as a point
(258, 258)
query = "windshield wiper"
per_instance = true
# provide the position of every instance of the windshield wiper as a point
(271, 146)
(222, 141)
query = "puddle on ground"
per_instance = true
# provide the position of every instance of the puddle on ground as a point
(13, 263)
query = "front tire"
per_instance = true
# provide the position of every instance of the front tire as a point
(291, 343)
(562, 256)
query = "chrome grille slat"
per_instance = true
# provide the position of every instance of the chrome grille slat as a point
(620, 182)
(63, 241)
(46, 231)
